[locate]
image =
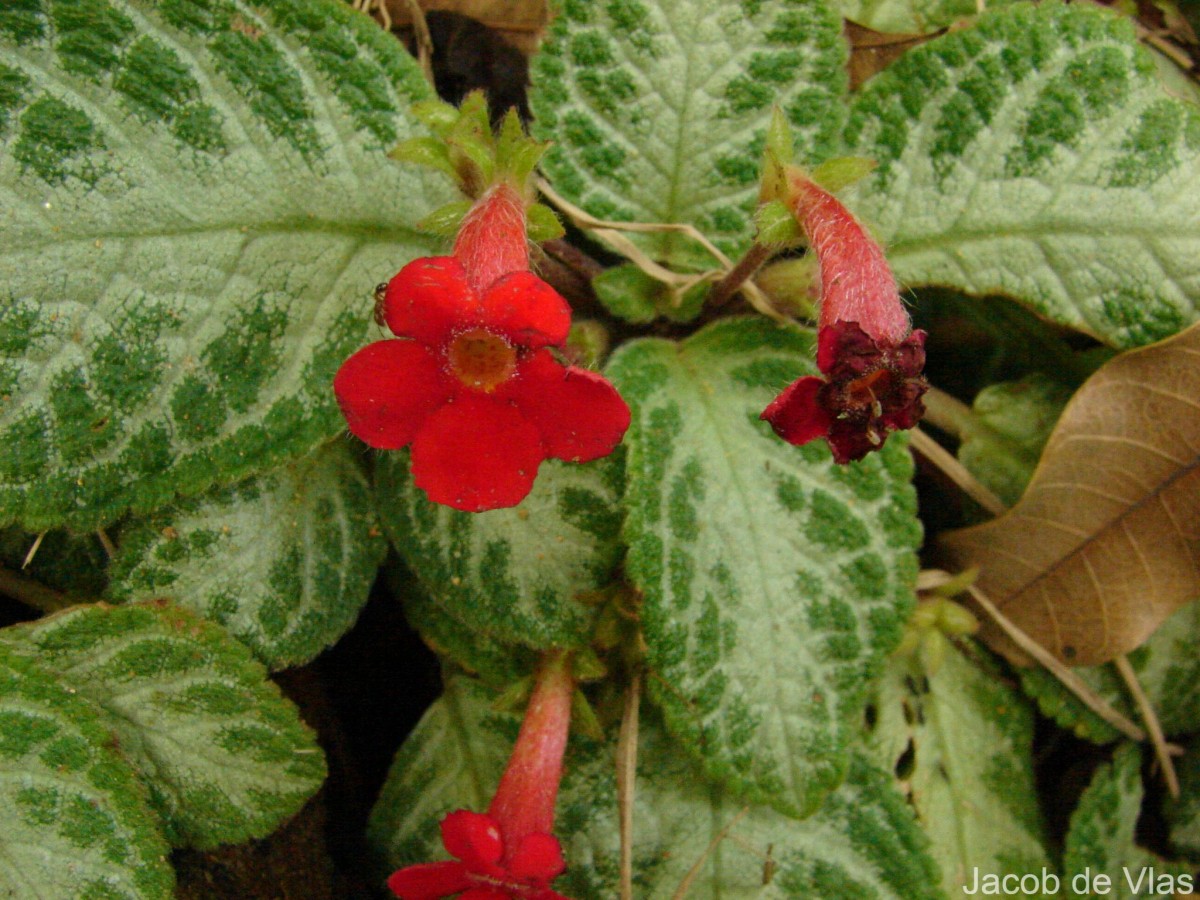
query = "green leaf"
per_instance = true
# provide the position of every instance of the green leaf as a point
(774, 581)
(1003, 440)
(1183, 813)
(862, 843)
(1166, 666)
(630, 294)
(911, 16)
(516, 575)
(284, 561)
(1036, 155)
(1101, 836)
(497, 664)
(225, 756)
(197, 207)
(659, 110)
(960, 742)
(74, 820)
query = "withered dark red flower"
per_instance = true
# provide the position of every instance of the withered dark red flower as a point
(870, 358)
(472, 383)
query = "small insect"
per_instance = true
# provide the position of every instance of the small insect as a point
(380, 296)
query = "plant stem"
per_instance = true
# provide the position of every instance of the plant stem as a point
(947, 413)
(724, 289)
(32, 593)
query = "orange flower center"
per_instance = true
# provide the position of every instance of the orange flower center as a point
(481, 360)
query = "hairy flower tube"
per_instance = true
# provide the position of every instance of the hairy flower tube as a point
(509, 853)
(870, 357)
(470, 380)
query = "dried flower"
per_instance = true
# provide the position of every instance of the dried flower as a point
(870, 357)
(472, 384)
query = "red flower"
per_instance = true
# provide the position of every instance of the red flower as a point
(472, 384)
(510, 853)
(478, 872)
(871, 359)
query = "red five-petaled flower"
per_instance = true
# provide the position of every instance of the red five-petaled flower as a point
(509, 853)
(871, 360)
(472, 384)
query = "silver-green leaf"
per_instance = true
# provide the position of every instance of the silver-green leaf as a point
(960, 742)
(520, 575)
(774, 581)
(658, 109)
(197, 205)
(1101, 837)
(225, 756)
(283, 561)
(1036, 155)
(74, 819)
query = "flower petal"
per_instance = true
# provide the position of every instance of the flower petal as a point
(486, 893)
(476, 453)
(538, 858)
(429, 299)
(796, 415)
(472, 837)
(429, 881)
(388, 389)
(526, 310)
(579, 413)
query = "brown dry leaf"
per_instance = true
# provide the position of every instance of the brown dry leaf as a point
(1105, 543)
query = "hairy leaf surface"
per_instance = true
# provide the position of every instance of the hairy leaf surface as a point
(197, 206)
(960, 742)
(225, 756)
(520, 575)
(1104, 544)
(74, 820)
(774, 581)
(1036, 155)
(284, 561)
(1102, 833)
(658, 109)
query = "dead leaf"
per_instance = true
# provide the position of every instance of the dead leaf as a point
(1105, 543)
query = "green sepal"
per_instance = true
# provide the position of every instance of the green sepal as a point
(424, 151)
(776, 224)
(541, 224)
(840, 172)
(517, 155)
(446, 220)
(438, 115)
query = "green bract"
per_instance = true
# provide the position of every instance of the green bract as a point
(774, 581)
(196, 209)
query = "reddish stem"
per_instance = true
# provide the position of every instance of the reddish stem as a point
(491, 242)
(524, 801)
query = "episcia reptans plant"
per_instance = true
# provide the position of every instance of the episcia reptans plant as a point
(659, 523)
